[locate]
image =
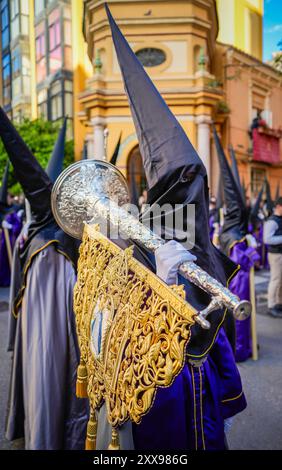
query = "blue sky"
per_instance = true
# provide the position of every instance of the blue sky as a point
(272, 26)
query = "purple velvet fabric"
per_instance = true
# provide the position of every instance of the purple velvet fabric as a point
(5, 272)
(190, 413)
(262, 248)
(246, 257)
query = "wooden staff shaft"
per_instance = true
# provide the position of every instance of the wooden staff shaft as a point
(253, 315)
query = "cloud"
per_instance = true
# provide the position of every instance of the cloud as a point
(274, 29)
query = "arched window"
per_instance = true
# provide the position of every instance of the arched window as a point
(135, 175)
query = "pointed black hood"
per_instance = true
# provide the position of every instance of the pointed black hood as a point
(36, 185)
(220, 195)
(235, 169)
(175, 175)
(219, 202)
(169, 159)
(164, 146)
(269, 201)
(56, 162)
(114, 157)
(4, 187)
(235, 220)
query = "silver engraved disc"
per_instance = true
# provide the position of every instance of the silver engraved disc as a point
(75, 191)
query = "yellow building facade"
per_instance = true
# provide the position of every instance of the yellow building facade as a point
(201, 79)
(240, 25)
(177, 45)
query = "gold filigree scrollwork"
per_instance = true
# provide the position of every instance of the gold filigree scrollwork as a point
(132, 328)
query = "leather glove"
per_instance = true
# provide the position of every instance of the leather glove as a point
(168, 259)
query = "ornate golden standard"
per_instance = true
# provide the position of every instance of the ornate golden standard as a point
(91, 190)
(132, 330)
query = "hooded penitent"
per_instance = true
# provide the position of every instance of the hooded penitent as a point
(37, 188)
(176, 175)
(257, 223)
(34, 181)
(170, 161)
(234, 244)
(42, 332)
(256, 207)
(269, 201)
(235, 220)
(56, 162)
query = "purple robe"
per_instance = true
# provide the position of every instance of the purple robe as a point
(190, 413)
(261, 248)
(246, 257)
(5, 272)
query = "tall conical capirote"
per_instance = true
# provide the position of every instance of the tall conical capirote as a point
(164, 146)
(56, 162)
(35, 183)
(169, 159)
(235, 169)
(269, 201)
(4, 186)
(219, 195)
(235, 216)
(114, 157)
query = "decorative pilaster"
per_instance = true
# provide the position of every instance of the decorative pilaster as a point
(203, 138)
(99, 126)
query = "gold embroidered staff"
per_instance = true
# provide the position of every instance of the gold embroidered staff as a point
(93, 189)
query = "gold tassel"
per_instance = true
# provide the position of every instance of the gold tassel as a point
(90, 443)
(114, 445)
(81, 381)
